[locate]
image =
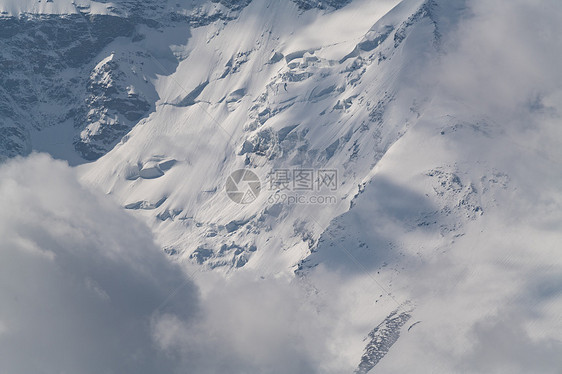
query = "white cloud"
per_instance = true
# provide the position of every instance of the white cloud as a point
(503, 59)
(249, 325)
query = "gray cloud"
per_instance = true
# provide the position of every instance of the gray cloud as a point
(502, 344)
(80, 280)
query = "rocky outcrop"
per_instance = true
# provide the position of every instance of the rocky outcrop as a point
(321, 4)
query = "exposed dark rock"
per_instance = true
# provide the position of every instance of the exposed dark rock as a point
(321, 4)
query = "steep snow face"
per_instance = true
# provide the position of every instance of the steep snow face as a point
(248, 94)
(240, 75)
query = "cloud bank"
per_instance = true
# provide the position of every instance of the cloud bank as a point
(80, 281)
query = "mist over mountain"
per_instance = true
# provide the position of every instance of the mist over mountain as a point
(304, 186)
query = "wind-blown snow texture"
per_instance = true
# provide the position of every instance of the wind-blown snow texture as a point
(440, 117)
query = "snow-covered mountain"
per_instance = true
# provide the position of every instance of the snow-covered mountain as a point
(245, 106)
(424, 134)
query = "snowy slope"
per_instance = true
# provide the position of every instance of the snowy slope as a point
(250, 110)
